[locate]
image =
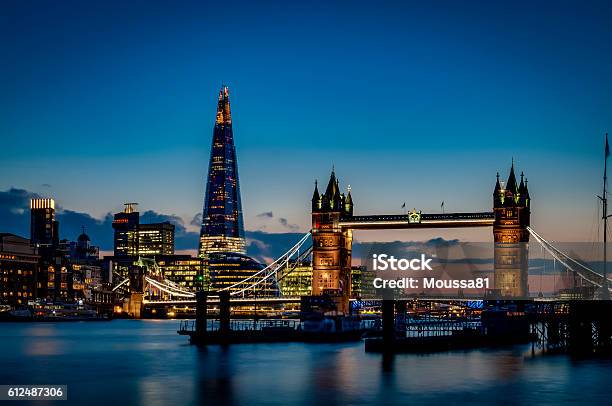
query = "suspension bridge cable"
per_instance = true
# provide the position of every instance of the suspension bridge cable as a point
(165, 289)
(551, 249)
(253, 285)
(289, 253)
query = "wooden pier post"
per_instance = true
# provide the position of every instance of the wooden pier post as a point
(388, 324)
(224, 312)
(580, 327)
(401, 317)
(603, 324)
(201, 313)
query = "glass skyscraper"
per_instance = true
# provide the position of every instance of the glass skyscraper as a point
(222, 226)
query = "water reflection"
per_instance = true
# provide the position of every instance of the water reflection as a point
(38, 347)
(140, 362)
(215, 372)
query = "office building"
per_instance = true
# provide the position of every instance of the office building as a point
(228, 269)
(362, 282)
(44, 229)
(296, 280)
(19, 269)
(185, 270)
(125, 225)
(156, 239)
(222, 226)
(133, 238)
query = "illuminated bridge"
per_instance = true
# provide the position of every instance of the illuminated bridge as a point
(162, 291)
(416, 219)
(328, 247)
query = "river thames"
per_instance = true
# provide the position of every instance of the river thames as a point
(147, 363)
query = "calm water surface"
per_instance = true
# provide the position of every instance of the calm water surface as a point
(146, 362)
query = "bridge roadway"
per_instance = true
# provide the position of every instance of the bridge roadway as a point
(418, 220)
(235, 301)
(296, 299)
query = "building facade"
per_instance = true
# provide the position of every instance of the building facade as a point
(156, 239)
(42, 268)
(54, 280)
(222, 225)
(227, 270)
(296, 280)
(44, 229)
(185, 270)
(84, 259)
(19, 270)
(133, 238)
(362, 282)
(125, 226)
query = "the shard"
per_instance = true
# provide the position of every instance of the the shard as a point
(222, 225)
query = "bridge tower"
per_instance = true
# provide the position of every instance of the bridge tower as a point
(511, 204)
(332, 244)
(135, 302)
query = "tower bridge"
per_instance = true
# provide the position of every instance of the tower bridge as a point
(329, 246)
(333, 223)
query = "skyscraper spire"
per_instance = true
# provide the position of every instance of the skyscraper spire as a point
(224, 116)
(222, 225)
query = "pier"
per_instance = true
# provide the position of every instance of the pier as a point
(224, 330)
(576, 327)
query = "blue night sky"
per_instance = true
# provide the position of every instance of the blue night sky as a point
(106, 102)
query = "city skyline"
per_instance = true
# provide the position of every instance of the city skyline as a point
(296, 203)
(401, 119)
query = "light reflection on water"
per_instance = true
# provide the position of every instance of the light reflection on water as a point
(146, 362)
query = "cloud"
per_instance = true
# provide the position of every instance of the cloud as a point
(99, 230)
(151, 216)
(15, 211)
(283, 221)
(196, 221)
(259, 245)
(262, 246)
(15, 218)
(47, 185)
(183, 239)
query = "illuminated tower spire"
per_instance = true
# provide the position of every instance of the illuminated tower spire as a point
(224, 116)
(222, 226)
(511, 184)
